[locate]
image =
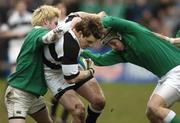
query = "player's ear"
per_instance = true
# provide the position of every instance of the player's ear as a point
(45, 22)
(80, 34)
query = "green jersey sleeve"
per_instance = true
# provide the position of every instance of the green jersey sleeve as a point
(41, 32)
(36, 36)
(121, 25)
(110, 58)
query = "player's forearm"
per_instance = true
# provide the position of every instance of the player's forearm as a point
(83, 75)
(85, 14)
(171, 40)
(107, 59)
(176, 40)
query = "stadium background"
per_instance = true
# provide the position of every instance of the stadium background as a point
(126, 86)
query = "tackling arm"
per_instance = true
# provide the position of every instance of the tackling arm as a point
(174, 41)
(85, 14)
(56, 33)
(110, 58)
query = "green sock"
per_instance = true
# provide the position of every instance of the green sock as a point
(176, 119)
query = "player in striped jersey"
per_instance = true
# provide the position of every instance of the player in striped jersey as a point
(63, 76)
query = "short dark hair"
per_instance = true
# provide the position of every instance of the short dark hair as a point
(90, 26)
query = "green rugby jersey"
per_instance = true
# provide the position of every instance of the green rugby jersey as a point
(142, 48)
(29, 75)
(178, 34)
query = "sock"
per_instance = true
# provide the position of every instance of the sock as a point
(176, 119)
(64, 115)
(92, 115)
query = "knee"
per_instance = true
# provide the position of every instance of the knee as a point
(151, 110)
(98, 102)
(79, 111)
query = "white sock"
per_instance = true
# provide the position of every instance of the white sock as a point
(169, 117)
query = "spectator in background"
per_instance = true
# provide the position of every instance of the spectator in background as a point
(176, 29)
(4, 65)
(72, 5)
(60, 4)
(34, 4)
(138, 10)
(5, 35)
(19, 21)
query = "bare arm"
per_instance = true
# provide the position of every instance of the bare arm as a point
(10, 34)
(174, 41)
(85, 14)
(83, 75)
(55, 34)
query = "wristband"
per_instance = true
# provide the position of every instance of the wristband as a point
(171, 40)
(92, 71)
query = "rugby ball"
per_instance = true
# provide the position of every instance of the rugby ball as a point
(83, 65)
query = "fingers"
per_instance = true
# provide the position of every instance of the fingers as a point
(102, 14)
(90, 63)
(58, 30)
(75, 20)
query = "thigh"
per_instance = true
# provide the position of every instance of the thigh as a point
(91, 90)
(168, 93)
(42, 116)
(70, 100)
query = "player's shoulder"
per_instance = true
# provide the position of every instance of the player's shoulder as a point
(70, 37)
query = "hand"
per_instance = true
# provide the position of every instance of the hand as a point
(102, 14)
(90, 64)
(74, 21)
(58, 30)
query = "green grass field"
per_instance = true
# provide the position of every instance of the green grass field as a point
(125, 103)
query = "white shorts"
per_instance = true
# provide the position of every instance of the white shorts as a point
(55, 81)
(20, 103)
(168, 86)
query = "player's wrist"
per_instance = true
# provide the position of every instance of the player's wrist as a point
(171, 40)
(92, 71)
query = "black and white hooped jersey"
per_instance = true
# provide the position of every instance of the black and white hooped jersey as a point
(63, 54)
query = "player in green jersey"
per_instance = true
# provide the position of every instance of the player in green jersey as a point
(133, 43)
(27, 85)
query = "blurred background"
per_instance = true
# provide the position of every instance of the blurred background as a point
(161, 16)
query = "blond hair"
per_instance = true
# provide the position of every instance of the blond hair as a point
(45, 12)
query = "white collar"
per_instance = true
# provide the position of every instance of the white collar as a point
(74, 36)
